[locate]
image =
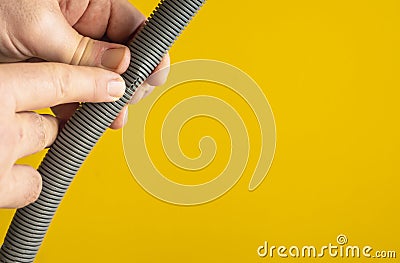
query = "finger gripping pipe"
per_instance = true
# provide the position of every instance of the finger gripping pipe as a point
(86, 126)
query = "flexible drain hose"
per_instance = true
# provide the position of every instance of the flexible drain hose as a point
(86, 126)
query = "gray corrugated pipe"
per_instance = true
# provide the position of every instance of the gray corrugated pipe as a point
(84, 129)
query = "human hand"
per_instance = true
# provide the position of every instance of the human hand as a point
(25, 87)
(54, 31)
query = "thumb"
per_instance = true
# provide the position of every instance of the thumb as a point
(20, 187)
(95, 53)
(62, 43)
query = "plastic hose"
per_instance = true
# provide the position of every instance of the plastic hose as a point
(86, 126)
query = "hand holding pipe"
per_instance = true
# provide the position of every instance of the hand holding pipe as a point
(86, 126)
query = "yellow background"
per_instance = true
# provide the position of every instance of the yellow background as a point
(330, 70)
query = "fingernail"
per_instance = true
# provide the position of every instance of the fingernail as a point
(116, 89)
(112, 58)
(126, 117)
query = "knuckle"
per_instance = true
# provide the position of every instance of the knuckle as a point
(35, 187)
(61, 82)
(39, 129)
(96, 94)
(96, 87)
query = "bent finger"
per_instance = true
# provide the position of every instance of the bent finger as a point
(20, 187)
(36, 132)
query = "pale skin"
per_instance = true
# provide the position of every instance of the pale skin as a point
(57, 33)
